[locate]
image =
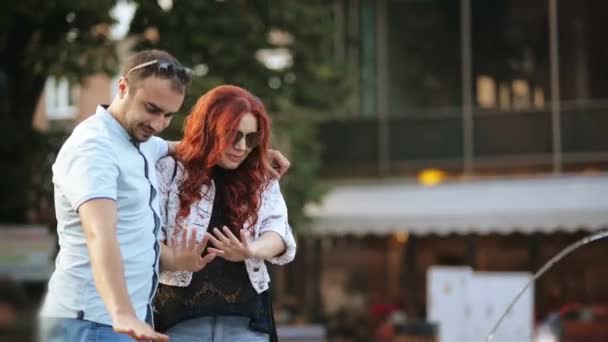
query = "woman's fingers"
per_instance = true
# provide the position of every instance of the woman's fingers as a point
(233, 239)
(201, 246)
(216, 251)
(182, 240)
(192, 240)
(244, 234)
(207, 258)
(217, 243)
(202, 262)
(171, 242)
(220, 236)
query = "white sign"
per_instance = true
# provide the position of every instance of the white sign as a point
(467, 304)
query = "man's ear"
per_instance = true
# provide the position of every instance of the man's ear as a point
(123, 87)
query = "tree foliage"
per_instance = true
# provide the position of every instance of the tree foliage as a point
(221, 40)
(38, 39)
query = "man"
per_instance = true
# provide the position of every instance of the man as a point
(108, 211)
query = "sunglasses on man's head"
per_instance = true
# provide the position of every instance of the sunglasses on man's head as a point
(166, 68)
(252, 140)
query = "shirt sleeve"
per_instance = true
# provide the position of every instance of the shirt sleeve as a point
(274, 219)
(89, 171)
(160, 148)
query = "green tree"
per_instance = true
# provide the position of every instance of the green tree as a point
(38, 39)
(221, 40)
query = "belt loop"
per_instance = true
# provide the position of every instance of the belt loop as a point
(80, 315)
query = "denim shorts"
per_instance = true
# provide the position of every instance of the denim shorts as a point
(77, 330)
(216, 329)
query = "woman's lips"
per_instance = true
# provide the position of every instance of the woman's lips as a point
(234, 158)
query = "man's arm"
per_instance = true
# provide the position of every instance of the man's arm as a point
(172, 147)
(99, 222)
(99, 218)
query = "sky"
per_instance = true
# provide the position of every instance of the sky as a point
(123, 12)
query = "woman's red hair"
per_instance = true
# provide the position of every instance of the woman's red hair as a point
(209, 130)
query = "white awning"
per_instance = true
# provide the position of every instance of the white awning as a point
(546, 204)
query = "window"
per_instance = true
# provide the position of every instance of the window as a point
(423, 56)
(60, 99)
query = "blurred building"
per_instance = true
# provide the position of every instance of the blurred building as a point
(502, 106)
(470, 88)
(62, 104)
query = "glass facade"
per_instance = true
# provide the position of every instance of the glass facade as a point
(413, 87)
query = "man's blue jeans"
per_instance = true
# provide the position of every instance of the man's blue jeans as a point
(77, 330)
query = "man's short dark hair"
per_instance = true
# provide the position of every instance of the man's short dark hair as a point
(177, 73)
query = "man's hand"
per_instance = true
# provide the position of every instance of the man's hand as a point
(172, 147)
(186, 255)
(278, 163)
(129, 324)
(229, 247)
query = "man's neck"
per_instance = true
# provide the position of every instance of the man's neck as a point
(117, 114)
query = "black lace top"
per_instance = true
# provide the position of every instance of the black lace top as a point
(222, 288)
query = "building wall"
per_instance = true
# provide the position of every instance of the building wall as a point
(40, 120)
(94, 90)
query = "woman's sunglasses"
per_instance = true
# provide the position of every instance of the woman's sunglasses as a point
(252, 140)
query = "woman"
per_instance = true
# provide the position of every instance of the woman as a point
(219, 190)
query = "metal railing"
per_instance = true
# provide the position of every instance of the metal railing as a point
(500, 140)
